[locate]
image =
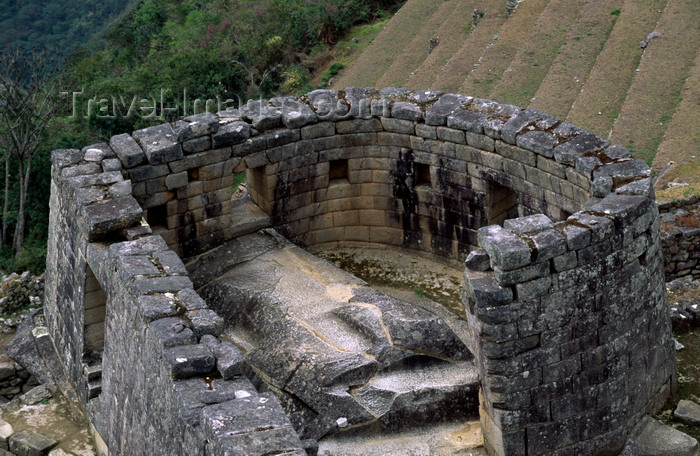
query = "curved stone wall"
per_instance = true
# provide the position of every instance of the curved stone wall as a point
(564, 290)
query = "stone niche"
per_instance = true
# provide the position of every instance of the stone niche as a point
(564, 288)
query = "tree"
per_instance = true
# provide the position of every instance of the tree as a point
(29, 96)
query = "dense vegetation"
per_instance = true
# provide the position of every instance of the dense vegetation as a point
(231, 49)
(58, 26)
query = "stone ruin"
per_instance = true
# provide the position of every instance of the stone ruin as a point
(177, 311)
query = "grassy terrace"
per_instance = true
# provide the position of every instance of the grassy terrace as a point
(453, 33)
(655, 93)
(572, 65)
(416, 50)
(579, 60)
(498, 56)
(681, 143)
(537, 53)
(455, 69)
(605, 91)
(379, 55)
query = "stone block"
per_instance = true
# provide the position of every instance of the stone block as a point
(426, 131)
(189, 360)
(262, 115)
(531, 224)
(506, 250)
(518, 123)
(446, 105)
(65, 157)
(170, 262)
(406, 127)
(480, 141)
(549, 244)
(651, 437)
(478, 260)
(140, 246)
(94, 179)
(532, 289)
(119, 189)
(540, 142)
(169, 284)
(196, 126)
(485, 292)
(687, 412)
(26, 443)
(507, 278)
(294, 113)
(159, 143)
(406, 111)
(82, 170)
(196, 145)
(171, 332)
(586, 143)
(516, 153)
(155, 307)
(6, 431)
(112, 215)
(128, 151)
(230, 362)
(231, 133)
(451, 135)
(462, 119)
(178, 180)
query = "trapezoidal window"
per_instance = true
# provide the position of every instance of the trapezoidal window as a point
(421, 173)
(157, 217)
(501, 204)
(94, 315)
(338, 171)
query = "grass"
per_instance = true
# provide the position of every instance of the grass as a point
(686, 171)
(495, 60)
(388, 45)
(653, 96)
(350, 47)
(417, 50)
(605, 90)
(537, 53)
(681, 141)
(569, 71)
(447, 71)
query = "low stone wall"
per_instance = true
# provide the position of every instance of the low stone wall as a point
(680, 238)
(557, 300)
(572, 329)
(137, 342)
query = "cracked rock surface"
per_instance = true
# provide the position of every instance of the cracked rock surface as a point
(338, 354)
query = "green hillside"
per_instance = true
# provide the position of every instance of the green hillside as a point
(60, 26)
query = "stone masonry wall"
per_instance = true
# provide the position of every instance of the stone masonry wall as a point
(680, 241)
(569, 320)
(417, 170)
(155, 379)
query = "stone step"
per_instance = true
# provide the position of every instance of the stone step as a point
(537, 53)
(502, 49)
(403, 398)
(422, 44)
(442, 439)
(655, 92)
(573, 63)
(601, 97)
